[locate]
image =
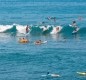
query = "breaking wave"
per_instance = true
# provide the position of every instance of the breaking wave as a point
(34, 29)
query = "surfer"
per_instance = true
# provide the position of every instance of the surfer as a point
(52, 75)
(54, 19)
(57, 28)
(80, 18)
(27, 29)
(74, 23)
(51, 18)
(48, 73)
(75, 26)
(38, 42)
(23, 40)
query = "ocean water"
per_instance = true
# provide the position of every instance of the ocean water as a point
(63, 54)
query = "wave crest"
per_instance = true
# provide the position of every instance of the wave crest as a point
(49, 29)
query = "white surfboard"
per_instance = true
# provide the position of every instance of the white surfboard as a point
(43, 75)
(51, 75)
(75, 31)
(27, 34)
(70, 25)
(44, 42)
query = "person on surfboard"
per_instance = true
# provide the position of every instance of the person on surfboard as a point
(74, 23)
(38, 42)
(76, 27)
(27, 29)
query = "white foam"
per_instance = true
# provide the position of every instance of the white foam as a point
(45, 27)
(21, 28)
(5, 27)
(55, 31)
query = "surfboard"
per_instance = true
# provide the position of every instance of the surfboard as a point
(70, 25)
(55, 75)
(51, 75)
(75, 31)
(82, 73)
(44, 42)
(27, 34)
(43, 75)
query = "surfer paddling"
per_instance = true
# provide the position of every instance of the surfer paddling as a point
(38, 42)
(23, 40)
(51, 75)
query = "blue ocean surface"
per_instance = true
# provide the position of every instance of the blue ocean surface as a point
(63, 54)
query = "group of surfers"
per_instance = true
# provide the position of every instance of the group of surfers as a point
(24, 40)
(57, 28)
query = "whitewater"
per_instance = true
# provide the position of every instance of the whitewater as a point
(48, 29)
